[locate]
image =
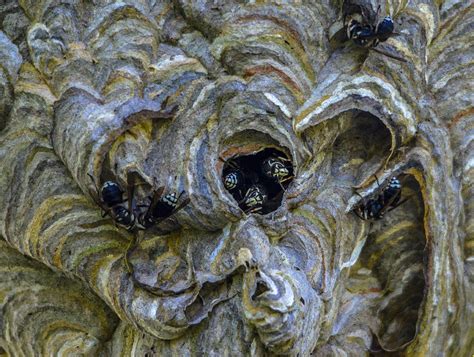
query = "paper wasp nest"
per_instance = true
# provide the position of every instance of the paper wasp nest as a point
(171, 90)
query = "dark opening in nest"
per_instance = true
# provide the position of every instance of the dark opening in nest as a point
(258, 181)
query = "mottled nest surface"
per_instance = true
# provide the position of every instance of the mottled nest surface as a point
(171, 90)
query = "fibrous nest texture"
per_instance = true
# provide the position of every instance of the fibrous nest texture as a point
(171, 91)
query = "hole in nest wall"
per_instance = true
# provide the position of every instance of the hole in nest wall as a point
(396, 255)
(360, 149)
(258, 181)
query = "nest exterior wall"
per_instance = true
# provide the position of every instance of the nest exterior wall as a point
(166, 89)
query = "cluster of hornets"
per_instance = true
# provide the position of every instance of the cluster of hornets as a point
(257, 182)
(127, 214)
(365, 30)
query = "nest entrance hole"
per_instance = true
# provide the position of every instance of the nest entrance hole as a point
(361, 148)
(252, 169)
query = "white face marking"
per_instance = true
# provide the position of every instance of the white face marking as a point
(170, 199)
(281, 172)
(124, 216)
(276, 169)
(395, 183)
(230, 181)
(108, 184)
(253, 197)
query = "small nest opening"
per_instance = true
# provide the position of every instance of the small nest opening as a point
(361, 148)
(258, 181)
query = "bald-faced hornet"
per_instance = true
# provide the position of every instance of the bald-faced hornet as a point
(254, 200)
(275, 168)
(161, 207)
(366, 31)
(384, 29)
(110, 199)
(233, 180)
(389, 199)
(233, 177)
(368, 35)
